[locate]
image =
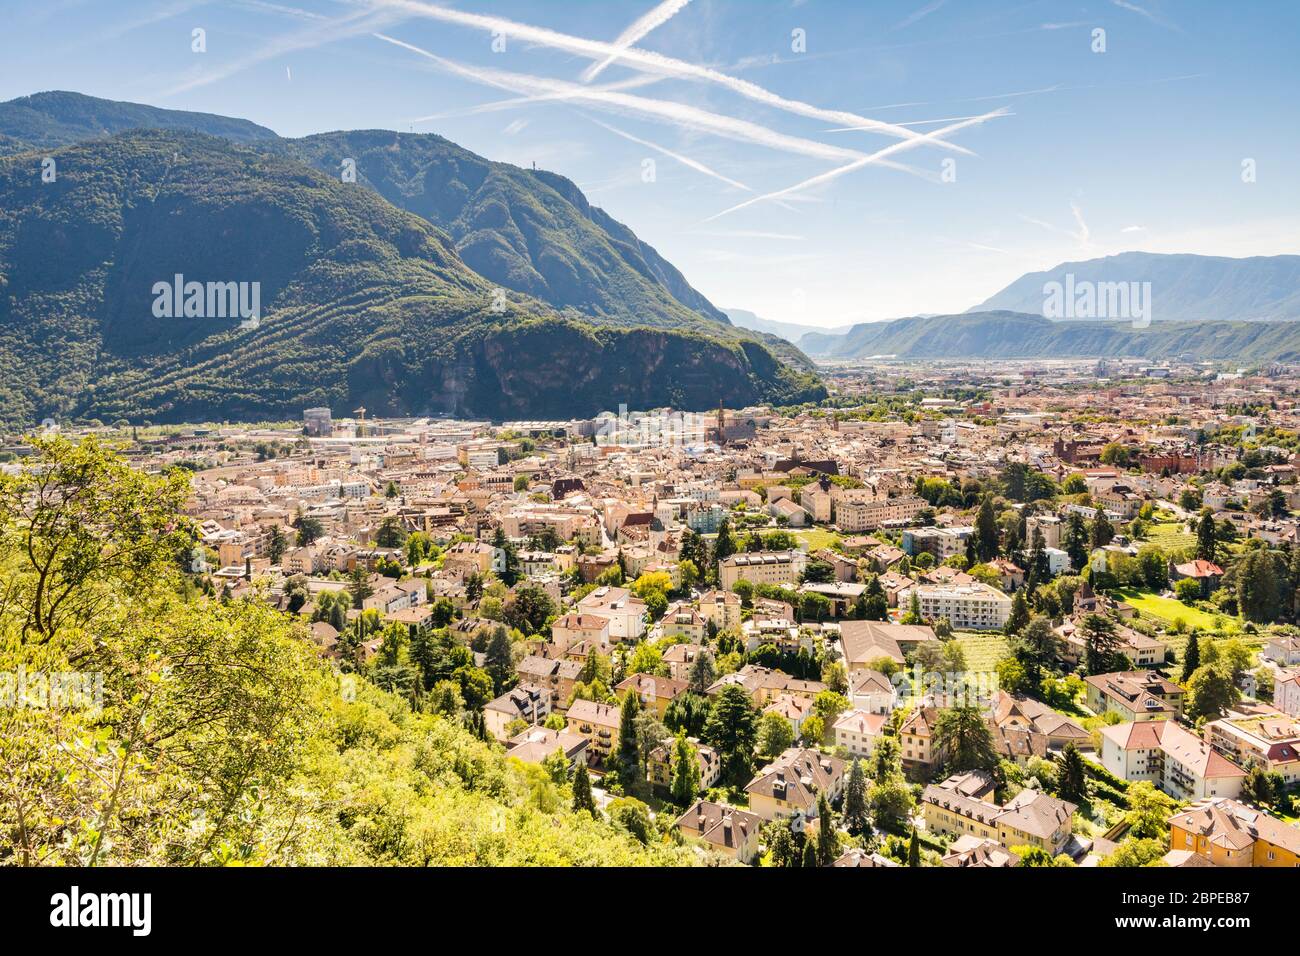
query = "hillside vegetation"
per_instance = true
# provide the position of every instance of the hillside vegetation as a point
(216, 735)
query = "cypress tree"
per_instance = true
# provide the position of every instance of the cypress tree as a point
(809, 860)
(582, 798)
(628, 754)
(1072, 786)
(914, 850)
(855, 800)
(1191, 657)
(828, 840)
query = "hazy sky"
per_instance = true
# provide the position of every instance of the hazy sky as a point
(760, 104)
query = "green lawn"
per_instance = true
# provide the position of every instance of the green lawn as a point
(1169, 610)
(816, 538)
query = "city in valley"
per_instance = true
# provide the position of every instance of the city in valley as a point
(963, 614)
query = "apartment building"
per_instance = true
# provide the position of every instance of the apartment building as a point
(1165, 753)
(789, 787)
(762, 567)
(962, 805)
(598, 723)
(1271, 741)
(974, 607)
(851, 515)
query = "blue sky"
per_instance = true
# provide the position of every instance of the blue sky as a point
(1137, 147)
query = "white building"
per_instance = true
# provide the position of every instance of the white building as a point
(1173, 758)
(974, 607)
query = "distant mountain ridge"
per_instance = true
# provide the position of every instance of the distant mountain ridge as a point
(1006, 335)
(1184, 287)
(790, 331)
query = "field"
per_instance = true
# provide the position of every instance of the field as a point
(983, 649)
(1170, 535)
(1169, 610)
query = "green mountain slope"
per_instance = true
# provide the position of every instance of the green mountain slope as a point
(529, 231)
(57, 118)
(363, 303)
(1004, 334)
(1183, 287)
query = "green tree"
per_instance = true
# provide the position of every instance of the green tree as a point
(1071, 779)
(987, 536)
(828, 841)
(686, 772)
(627, 754)
(390, 533)
(309, 530)
(1101, 532)
(276, 545)
(1100, 643)
(775, 734)
(1076, 541)
(499, 660)
(809, 860)
(1210, 692)
(856, 818)
(913, 615)
(1207, 542)
(1148, 812)
(781, 846)
(732, 731)
(1019, 616)
(582, 797)
(963, 741)
(914, 849)
(1191, 657)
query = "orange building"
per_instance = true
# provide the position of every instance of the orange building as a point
(1228, 833)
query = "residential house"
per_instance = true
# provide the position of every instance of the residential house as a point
(1173, 758)
(862, 642)
(1134, 695)
(598, 723)
(655, 693)
(535, 744)
(788, 788)
(527, 702)
(728, 830)
(624, 610)
(1228, 833)
(857, 731)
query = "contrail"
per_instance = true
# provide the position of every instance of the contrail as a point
(872, 159)
(639, 28)
(633, 82)
(657, 63)
(677, 113)
(684, 160)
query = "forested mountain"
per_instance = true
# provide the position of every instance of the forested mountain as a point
(362, 303)
(56, 118)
